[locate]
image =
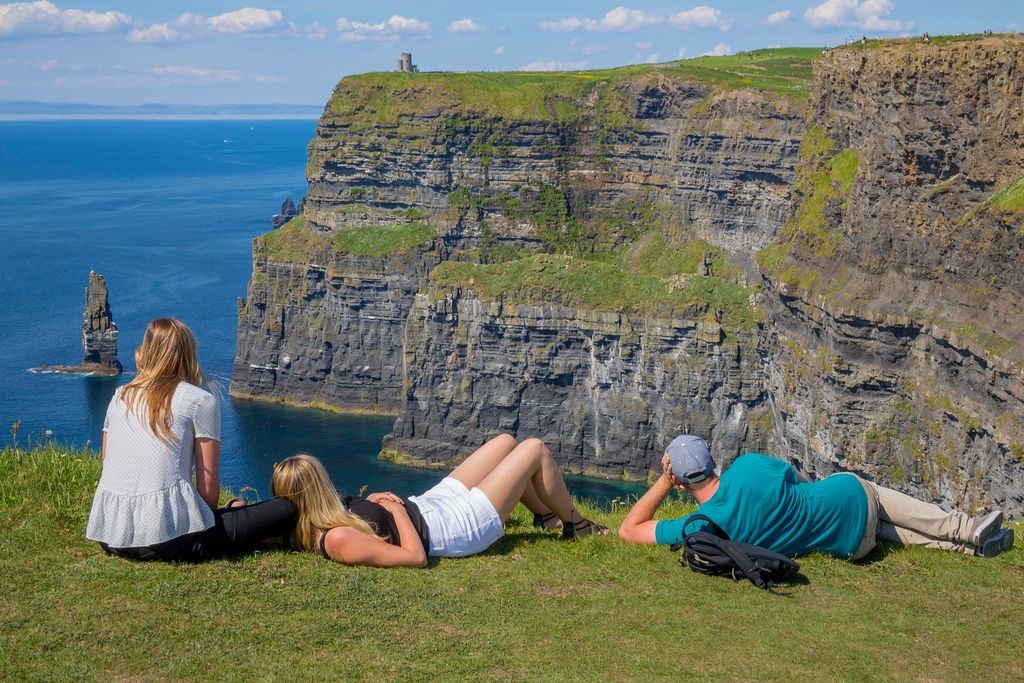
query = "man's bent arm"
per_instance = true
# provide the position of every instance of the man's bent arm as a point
(639, 525)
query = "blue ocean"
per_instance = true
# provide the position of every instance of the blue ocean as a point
(166, 211)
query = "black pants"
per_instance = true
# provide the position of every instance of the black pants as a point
(235, 531)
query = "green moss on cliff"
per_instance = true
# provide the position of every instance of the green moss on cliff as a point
(297, 242)
(293, 242)
(823, 179)
(1009, 199)
(646, 278)
(377, 241)
(384, 97)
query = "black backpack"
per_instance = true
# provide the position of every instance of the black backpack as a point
(711, 552)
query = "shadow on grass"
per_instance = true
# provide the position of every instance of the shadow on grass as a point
(881, 551)
(507, 544)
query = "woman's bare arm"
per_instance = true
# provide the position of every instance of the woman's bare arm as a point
(350, 546)
(207, 453)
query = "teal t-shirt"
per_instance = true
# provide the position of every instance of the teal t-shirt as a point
(761, 501)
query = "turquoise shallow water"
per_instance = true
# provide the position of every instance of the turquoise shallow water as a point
(166, 210)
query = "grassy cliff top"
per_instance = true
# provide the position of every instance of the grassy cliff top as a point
(935, 41)
(296, 241)
(530, 608)
(645, 277)
(383, 97)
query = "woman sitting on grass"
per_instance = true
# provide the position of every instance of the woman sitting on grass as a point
(158, 426)
(462, 515)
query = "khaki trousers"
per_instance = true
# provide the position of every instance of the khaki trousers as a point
(899, 518)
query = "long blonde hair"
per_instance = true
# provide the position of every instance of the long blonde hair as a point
(303, 480)
(166, 356)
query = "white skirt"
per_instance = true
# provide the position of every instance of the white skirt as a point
(461, 521)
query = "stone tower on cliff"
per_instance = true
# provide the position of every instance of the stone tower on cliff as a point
(99, 333)
(405, 64)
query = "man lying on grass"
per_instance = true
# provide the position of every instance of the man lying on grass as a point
(759, 500)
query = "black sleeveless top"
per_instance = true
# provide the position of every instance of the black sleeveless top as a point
(382, 523)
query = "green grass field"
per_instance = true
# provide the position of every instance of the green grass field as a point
(531, 608)
(385, 97)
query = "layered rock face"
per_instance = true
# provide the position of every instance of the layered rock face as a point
(720, 162)
(605, 390)
(326, 331)
(894, 298)
(585, 170)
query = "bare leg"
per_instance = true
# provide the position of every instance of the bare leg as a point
(485, 460)
(529, 463)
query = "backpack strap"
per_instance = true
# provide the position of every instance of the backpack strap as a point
(758, 575)
(714, 528)
(711, 528)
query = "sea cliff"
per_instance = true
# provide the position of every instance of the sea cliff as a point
(894, 342)
(820, 267)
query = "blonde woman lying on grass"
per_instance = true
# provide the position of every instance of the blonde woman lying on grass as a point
(463, 515)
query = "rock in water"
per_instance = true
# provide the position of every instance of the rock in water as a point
(99, 335)
(99, 332)
(288, 212)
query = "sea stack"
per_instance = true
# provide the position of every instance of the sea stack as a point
(288, 212)
(99, 332)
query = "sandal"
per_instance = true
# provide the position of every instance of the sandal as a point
(547, 522)
(584, 527)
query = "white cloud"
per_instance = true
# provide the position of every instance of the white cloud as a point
(593, 49)
(204, 75)
(500, 50)
(385, 31)
(465, 26)
(652, 58)
(618, 19)
(776, 18)
(568, 24)
(554, 66)
(644, 45)
(195, 73)
(625, 19)
(719, 50)
(700, 17)
(44, 18)
(574, 41)
(27, 65)
(249, 20)
(682, 53)
(865, 15)
(316, 31)
(189, 26)
(157, 33)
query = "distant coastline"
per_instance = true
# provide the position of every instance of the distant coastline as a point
(24, 110)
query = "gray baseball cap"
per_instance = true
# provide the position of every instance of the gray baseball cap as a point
(691, 459)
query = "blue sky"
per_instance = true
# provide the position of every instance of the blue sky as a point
(209, 52)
